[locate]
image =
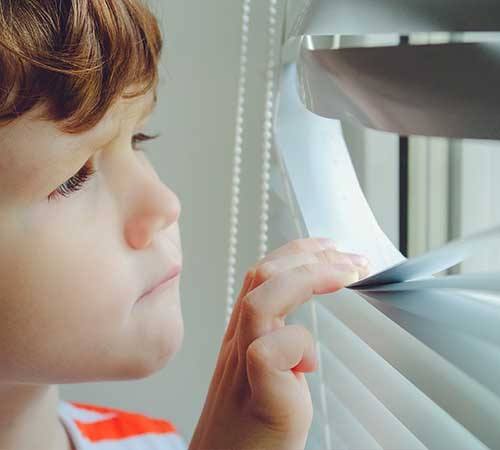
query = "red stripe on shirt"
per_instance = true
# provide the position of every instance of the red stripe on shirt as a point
(123, 425)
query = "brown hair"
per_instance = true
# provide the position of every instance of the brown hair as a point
(75, 57)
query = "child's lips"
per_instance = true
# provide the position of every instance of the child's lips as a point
(172, 273)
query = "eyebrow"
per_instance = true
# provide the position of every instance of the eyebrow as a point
(106, 136)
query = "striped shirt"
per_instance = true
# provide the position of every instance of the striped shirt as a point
(101, 428)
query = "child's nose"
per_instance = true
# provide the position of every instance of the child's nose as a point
(154, 208)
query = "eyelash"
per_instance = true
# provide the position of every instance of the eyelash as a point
(76, 182)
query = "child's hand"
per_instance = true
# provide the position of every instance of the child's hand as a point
(259, 397)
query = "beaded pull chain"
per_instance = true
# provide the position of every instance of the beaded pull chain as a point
(267, 135)
(237, 161)
(238, 148)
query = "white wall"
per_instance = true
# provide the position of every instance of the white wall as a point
(196, 117)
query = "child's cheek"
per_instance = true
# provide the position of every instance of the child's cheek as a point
(66, 294)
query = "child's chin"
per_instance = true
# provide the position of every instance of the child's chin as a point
(156, 359)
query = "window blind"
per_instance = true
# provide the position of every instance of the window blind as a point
(412, 374)
(410, 90)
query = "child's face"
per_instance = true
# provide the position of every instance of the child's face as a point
(72, 269)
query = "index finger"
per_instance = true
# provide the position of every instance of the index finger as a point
(263, 309)
(312, 245)
(295, 247)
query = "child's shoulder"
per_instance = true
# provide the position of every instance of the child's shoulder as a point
(94, 427)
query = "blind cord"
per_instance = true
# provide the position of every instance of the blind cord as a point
(237, 161)
(267, 142)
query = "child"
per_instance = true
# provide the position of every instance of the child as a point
(90, 251)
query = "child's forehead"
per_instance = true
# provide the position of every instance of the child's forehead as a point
(29, 145)
(123, 112)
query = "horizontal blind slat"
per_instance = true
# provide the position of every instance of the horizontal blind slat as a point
(346, 389)
(394, 366)
(327, 17)
(344, 426)
(465, 338)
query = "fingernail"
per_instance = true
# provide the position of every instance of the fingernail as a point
(326, 243)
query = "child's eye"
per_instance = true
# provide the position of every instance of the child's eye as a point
(76, 182)
(141, 137)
